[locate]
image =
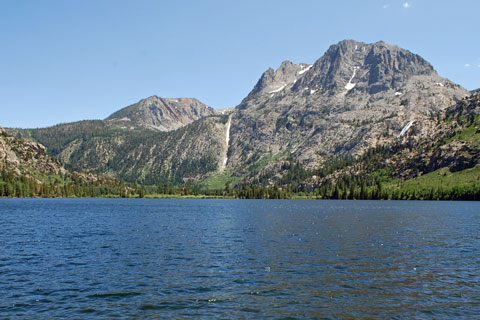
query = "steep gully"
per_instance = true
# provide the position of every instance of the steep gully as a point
(227, 140)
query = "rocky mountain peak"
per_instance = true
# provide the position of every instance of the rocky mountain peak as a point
(369, 67)
(355, 97)
(161, 114)
(275, 81)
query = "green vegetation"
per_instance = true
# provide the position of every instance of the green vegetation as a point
(27, 171)
(62, 186)
(137, 156)
(281, 123)
(255, 163)
(368, 177)
(470, 134)
(218, 181)
(438, 185)
(258, 161)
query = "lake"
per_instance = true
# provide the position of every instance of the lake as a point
(238, 259)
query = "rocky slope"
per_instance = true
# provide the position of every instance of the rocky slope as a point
(161, 114)
(353, 98)
(26, 158)
(445, 165)
(138, 155)
(26, 170)
(458, 142)
(187, 154)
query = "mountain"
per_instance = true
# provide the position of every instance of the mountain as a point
(356, 98)
(137, 154)
(153, 141)
(25, 157)
(161, 114)
(353, 98)
(26, 170)
(458, 146)
(444, 165)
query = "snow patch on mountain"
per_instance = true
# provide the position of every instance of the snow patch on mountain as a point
(278, 90)
(305, 70)
(227, 140)
(351, 85)
(405, 129)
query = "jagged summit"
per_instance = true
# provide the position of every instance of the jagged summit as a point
(354, 97)
(347, 65)
(368, 67)
(275, 81)
(162, 114)
(351, 67)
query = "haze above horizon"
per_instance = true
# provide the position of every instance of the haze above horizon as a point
(65, 61)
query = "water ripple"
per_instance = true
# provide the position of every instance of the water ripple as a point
(127, 258)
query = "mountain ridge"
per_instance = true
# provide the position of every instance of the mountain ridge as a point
(355, 97)
(334, 108)
(26, 170)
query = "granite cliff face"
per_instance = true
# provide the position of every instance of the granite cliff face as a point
(161, 114)
(25, 158)
(275, 81)
(353, 98)
(369, 68)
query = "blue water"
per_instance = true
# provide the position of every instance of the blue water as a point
(238, 259)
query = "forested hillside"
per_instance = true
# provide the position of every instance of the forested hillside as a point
(26, 170)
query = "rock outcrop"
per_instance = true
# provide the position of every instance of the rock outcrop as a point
(353, 98)
(26, 157)
(460, 147)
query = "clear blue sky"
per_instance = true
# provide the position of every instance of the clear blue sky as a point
(62, 61)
